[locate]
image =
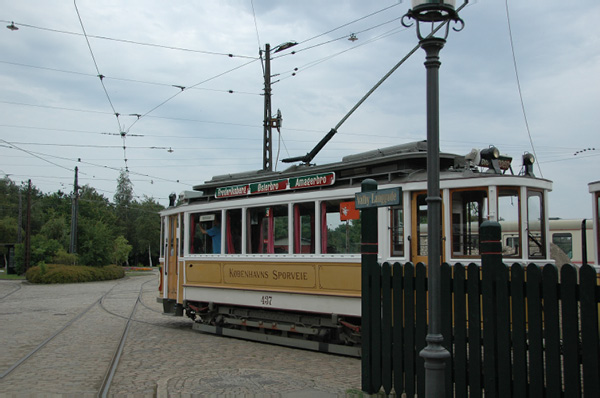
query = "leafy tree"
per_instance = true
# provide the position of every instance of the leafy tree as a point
(42, 251)
(57, 229)
(8, 230)
(121, 250)
(147, 231)
(95, 242)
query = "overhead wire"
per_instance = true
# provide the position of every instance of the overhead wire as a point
(34, 155)
(229, 91)
(349, 23)
(79, 160)
(183, 88)
(101, 77)
(512, 47)
(230, 55)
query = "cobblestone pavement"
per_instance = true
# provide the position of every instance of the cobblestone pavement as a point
(162, 355)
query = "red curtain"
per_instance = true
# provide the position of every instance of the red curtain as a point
(260, 236)
(297, 230)
(271, 238)
(229, 237)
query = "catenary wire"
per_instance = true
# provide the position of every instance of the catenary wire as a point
(512, 47)
(228, 91)
(230, 55)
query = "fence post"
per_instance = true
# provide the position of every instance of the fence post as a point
(490, 238)
(371, 382)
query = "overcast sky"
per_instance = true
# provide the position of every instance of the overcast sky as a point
(56, 114)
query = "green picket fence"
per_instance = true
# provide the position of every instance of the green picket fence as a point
(512, 331)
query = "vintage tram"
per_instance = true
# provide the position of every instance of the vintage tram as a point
(275, 256)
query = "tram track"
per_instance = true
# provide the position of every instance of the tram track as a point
(88, 325)
(114, 363)
(19, 362)
(14, 291)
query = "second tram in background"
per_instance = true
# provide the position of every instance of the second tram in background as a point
(275, 256)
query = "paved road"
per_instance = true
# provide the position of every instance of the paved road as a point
(162, 355)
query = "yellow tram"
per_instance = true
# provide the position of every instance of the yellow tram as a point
(275, 256)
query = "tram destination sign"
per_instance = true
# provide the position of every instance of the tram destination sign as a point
(379, 198)
(282, 184)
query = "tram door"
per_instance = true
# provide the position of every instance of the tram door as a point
(171, 254)
(418, 241)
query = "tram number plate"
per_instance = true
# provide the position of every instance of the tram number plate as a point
(266, 300)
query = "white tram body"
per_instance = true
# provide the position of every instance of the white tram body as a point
(289, 258)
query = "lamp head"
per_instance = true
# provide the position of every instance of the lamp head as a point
(528, 161)
(425, 11)
(490, 153)
(433, 10)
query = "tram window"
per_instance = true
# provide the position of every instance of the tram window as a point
(338, 236)
(535, 225)
(181, 234)
(512, 242)
(233, 236)
(469, 210)
(420, 219)
(397, 231)
(509, 218)
(162, 237)
(268, 230)
(304, 227)
(199, 242)
(565, 242)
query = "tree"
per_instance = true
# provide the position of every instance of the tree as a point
(147, 231)
(124, 195)
(121, 250)
(96, 240)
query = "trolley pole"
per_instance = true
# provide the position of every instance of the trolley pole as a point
(267, 137)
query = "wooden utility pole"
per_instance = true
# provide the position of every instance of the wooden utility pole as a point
(28, 229)
(74, 211)
(267, 137)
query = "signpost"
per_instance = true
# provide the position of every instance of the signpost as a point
(368, 200)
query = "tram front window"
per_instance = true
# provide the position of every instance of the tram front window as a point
(268, 230)
(397, 231)
(509, 216)
(536, 245)
(469, 210)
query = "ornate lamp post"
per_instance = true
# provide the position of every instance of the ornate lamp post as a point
(432, 12)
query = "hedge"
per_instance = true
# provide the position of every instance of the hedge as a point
(56, 273)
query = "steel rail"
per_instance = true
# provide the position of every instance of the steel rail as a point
(59, 331)
(114, 363)
(14, 291)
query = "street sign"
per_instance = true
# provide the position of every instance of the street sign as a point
(379, 198)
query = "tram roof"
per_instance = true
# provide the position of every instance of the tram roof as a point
(397, 159)
(406, 161)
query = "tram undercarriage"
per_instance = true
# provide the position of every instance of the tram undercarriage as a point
(318, 332)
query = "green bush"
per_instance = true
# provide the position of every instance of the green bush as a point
(57, 273)
(64, 258)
